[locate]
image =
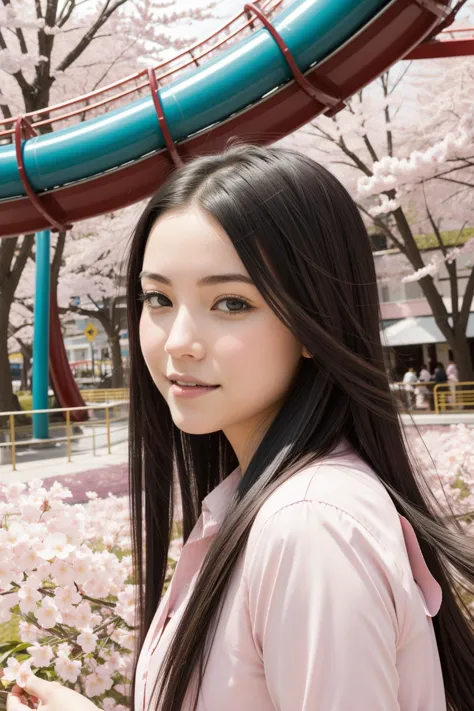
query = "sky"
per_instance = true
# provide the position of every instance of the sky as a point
(224, 10)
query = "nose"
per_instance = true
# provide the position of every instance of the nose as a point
(183, 337)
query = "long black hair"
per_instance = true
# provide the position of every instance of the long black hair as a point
(301, 238)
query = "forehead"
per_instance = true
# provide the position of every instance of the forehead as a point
(188, 238)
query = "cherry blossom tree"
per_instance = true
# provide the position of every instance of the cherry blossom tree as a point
(92, 267)
(20, 337)
(374, 145)
(52, 50)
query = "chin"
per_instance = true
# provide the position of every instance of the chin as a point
(187, 426)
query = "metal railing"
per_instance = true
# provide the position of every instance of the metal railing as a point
(233, 29)
(18, 435)
(104, 394)
(411, 400)
(450, 397)
(430, 396)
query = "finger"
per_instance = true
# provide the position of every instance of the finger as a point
(17, 690)
(40, 688)
(14, 703)
(29, 699)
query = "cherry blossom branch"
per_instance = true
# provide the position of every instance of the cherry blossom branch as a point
(108, 10)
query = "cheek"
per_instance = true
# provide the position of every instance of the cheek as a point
(264, 356)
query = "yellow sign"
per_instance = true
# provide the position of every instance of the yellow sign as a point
(90, 332)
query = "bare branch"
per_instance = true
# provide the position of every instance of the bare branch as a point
(434, 226)
(7, 253)
(108, 10)
(22, 83)
(384, 79)
(400, 78)
(101, 315)
(384, 227)
(66, 12)
(458, 182)
(358, 162)
(22, 257)
(6, 111)
(58, 258)
(18, 32)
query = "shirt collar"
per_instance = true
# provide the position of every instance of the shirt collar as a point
(215, 505)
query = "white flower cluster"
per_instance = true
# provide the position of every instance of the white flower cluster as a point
(385, 206)
(438, 259)
(10, 18)
(392, 172)
(450, 450)
(64, 574)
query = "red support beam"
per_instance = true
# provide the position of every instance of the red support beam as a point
(437, 49)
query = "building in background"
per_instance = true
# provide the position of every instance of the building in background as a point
(408, 328)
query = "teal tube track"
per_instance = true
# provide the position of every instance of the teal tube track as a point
(196, 100)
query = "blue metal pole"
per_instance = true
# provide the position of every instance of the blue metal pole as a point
(41, 334)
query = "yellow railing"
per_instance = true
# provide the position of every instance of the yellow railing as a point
(408, 398)
(104, 395)
(435, 397)
(449, 397)
(94, 423)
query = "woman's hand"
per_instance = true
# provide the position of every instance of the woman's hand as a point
(47, 696)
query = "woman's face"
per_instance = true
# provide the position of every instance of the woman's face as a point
(204, 318)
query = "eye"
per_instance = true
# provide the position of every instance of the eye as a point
(152, 299)
(236, 305)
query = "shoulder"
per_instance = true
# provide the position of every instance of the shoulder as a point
(340, 498)
(330, 529)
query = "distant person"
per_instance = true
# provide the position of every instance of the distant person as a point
(409, 379)
(453, 378)
(425, 375)
(423, 393)
(439, 375)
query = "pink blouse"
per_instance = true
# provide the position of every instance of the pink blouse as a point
(329, 605)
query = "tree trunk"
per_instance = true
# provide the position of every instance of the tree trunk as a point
(457, 340)
(6, 389)
(462, 357)
(26, 352)
(117, 365)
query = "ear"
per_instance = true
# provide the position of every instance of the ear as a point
(305, 353)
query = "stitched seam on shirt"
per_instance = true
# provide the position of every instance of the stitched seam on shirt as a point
(337, 508)
(348, 515)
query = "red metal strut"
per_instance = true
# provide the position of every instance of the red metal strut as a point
(321, 92)
(170, 144)
(437, 7)
(53, 213)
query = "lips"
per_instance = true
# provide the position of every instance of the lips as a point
(192, 385)
(188, 380)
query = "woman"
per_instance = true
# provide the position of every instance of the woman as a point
(409, 379)
(452, 377)
(257, 376)
(424, 396)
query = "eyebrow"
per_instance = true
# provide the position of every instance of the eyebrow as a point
(210, 280)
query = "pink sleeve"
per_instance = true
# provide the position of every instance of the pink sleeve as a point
(322, 612)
